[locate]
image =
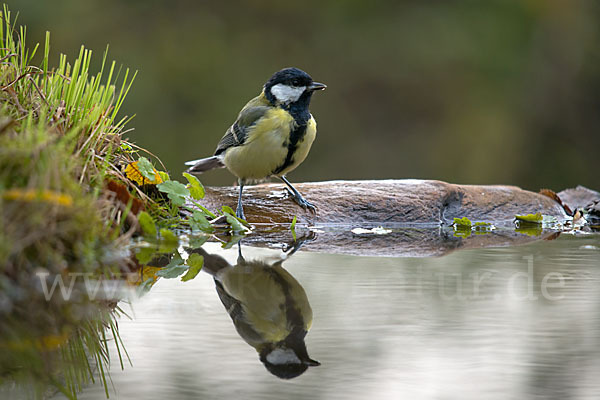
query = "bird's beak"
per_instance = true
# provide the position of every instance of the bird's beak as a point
(311, 363)
(316, 86)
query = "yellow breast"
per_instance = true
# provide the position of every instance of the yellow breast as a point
(303, 146)
(266, 147)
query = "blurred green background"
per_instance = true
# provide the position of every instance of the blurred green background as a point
(482, 92)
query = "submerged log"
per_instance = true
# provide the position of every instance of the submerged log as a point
(419, 213)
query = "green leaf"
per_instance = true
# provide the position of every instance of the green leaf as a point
(236, 225)
(146, 169)
(533, 218)
(194, 186)
(462, 222)
(204, 209)
(199, 222)
(147, 224)
(163, 175)
(293, 228)
(227, 210)
(195, 262)
(176, 191)
(126, 147)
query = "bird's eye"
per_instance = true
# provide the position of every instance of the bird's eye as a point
(296, 82)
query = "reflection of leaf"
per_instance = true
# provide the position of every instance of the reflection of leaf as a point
(195, 262)
(481, 228)
(197, 241)
(533, 218)
(232, 241)
(145, 254)
(174, 268)
(150, 272)
(462, 232)
(168, 236)
(145, 286)
(195, 187)
(147, 224)
(172, 272)
(169, 241)
(176, 191)
(529, 228)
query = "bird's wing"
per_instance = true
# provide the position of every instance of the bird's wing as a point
(238, 132)
(236, 311)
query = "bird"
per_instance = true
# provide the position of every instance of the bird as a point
(268, 307)
(271, 136)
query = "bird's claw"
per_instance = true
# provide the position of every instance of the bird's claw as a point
(301, 201)
(239, 212)
(307, 205)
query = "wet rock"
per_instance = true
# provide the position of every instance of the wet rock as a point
(385, 202)
(419, 214)
(579, 197)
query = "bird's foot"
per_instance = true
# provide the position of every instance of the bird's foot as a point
(302, 202)
(239, 212)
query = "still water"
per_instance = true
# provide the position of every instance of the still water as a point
(498, 323)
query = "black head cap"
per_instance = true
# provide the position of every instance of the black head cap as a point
(289, 370)
(294, 78)
(289, 76)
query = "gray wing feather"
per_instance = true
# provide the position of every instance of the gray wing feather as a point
(237, 133)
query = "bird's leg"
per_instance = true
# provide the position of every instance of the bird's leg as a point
(240, 259)
(298, 197)
(239, 212)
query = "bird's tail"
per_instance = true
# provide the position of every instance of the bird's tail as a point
(205, 164)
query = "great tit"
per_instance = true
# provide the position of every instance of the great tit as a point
(271, 136)
(269, 310)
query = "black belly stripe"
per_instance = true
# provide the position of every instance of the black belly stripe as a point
(295, 136)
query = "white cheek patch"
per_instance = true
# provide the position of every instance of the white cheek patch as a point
(287, 94)
(283, 356)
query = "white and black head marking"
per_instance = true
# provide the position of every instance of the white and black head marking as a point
(289, 85)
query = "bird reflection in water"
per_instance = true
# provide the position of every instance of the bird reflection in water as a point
(268, 307)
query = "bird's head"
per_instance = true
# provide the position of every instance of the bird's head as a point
(289, 86)
(289, 358)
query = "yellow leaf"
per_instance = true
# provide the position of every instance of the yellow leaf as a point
(132, 172)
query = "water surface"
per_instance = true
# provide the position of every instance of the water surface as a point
(496, 323)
